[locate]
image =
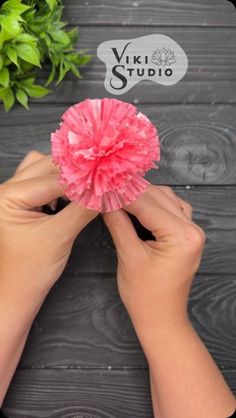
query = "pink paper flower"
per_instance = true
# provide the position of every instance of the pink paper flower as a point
(104, 148)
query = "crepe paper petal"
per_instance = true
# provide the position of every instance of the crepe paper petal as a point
(104, 147)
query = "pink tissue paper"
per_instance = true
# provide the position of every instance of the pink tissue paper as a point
(104, 147)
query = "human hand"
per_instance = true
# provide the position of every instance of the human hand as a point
(154, 277)
(34, 246)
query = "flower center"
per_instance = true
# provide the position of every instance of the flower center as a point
(95, 152)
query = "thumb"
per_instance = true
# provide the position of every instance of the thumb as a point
(122, 232)
(73, 218)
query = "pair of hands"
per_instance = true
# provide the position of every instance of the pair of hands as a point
(154, 280)
(35, 247)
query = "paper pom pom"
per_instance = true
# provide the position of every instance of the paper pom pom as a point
(103, 148)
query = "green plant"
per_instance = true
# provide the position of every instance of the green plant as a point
(31, 33)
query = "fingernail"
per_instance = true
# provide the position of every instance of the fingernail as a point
(53, 204)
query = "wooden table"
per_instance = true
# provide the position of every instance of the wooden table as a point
(82, 357)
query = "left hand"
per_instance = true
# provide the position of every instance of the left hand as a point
(34, 246)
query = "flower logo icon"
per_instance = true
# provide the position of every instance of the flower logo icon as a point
(163, 57)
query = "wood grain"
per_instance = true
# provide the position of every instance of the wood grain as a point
(83, 394)
(211, 75)
(198, 143)
(83, 358)
(83, 323)
(150, 13)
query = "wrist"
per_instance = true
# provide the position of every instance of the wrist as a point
(157, 341)
(159, 329)
(19, 305)
(23, 287)
(153, 330)
(157, 313)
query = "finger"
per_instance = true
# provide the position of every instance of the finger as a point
(184, 207)
(122, 231)
(187, 208)
(169, 202)
(154, 214)
(34, 192)
(41, 167)
(73, 218)
(36, 164)
(30, 158)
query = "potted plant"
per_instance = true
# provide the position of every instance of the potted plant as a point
(31, 35)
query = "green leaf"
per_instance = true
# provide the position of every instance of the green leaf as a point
(64, 68)
(29, 54)
(25, 37)
(73, 34)
(35, 90)
(54, 58)
(26, 67)
(57, 12)
(47, 40)
(36, 28)
(83, 59)
(7, 61)
(78, 59)
(10, 28)
(15, 5)
(61, 37)
(22, 98)
(75, 70)
(4, 77)
(4, 36)
(29, 15)
(12, 55)
(8, 98)
(51, 3)
(10, 24)
(29, 81)
(51, 75)
(1, 62)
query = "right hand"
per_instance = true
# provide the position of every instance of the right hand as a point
(155, 277)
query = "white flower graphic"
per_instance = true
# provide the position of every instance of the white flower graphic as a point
(163, 57)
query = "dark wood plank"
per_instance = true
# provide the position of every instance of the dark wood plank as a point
(198, 143)
(83, 394)
(150, 12)
(210, 77)
(212, 312)
(83, 323)
(214, 209)
(79, 393)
